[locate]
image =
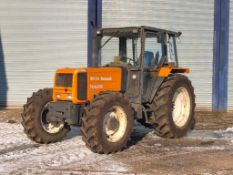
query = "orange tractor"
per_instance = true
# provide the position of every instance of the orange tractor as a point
(135, 76)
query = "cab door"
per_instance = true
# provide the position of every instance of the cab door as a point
(134, 76)
(154, 55)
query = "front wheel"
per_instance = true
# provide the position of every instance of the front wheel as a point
(34, 119)
(174, 106)
(107, 123)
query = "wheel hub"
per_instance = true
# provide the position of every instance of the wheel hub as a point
(115, 123)
(182, 106)
(48, 126)
(112, 125)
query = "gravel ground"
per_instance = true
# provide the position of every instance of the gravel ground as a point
(206, 151)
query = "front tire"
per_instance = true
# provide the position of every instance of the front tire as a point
(34, 119)
(174, 106)
(107, 123)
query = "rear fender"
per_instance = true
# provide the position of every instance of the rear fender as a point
(165, 71)
(162, 74)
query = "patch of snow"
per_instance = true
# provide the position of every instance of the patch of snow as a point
(198, 148)
(11, 135)
(152, 146)
(157, 144)
(153, 135)
(206, 134)
(203, 134)
(226, 134)
(206, 174)
(20, 154)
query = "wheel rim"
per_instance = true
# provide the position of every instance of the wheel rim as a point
(181, 108)
(115, 124)
(49, 127)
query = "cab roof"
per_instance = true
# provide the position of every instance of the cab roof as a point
(134, 31)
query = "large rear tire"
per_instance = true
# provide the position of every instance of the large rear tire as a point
(34, 119)
(174, 106)
(107, 123)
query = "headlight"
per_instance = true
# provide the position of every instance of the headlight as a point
(69, 96)
(58, 95)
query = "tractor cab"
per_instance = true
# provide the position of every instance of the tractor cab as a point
(142, 47)
(146, 55)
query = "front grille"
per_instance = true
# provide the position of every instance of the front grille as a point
(82, 86)
(64, 80)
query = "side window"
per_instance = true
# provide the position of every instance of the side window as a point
(129, 48)
(109, 50)
(171, 51)
(153, 51)
(133, 51)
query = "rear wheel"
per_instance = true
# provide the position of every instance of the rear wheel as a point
(35, 123)
(107, 123)
(174, 106)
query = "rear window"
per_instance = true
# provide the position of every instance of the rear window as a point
(64, 80)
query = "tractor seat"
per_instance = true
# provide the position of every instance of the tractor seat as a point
(148, 57)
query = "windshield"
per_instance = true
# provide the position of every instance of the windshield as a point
(116, 50)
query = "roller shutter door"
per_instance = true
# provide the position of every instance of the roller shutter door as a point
(37, 37)
(230, 74)
(194, 18)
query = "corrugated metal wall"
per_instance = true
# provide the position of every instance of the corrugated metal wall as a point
(194, 18)
(230, 70)
(38, 36)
